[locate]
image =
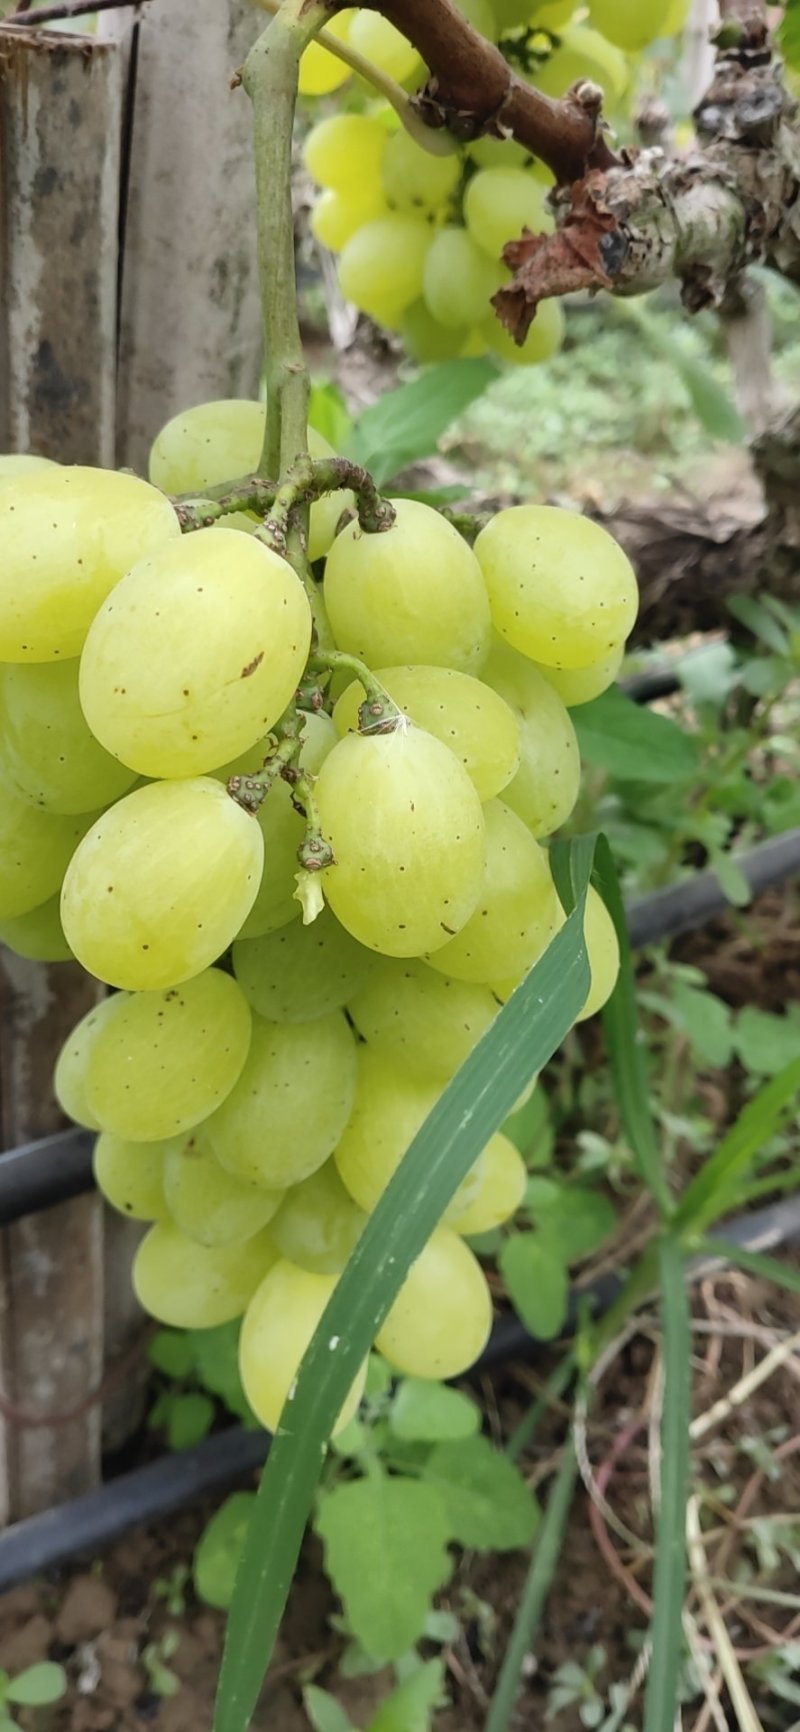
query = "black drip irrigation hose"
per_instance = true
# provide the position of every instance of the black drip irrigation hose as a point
(148, 1494)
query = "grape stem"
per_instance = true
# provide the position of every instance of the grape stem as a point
(308, 480)
(378, 714)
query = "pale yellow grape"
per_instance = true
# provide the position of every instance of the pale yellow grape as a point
(195, 654)
(131, 1175)
(407, 833)
(500, 1180)
(462, 712)
(161, 884)
(318, 1224)
(35, 850)
(629, 24)
(208, 1204)
(380, 42)
(15, 463)
(576, 686)
(37, 935)
(191, 1286)
(291, 1103)
(560, 587)
(440, 1321)
(189, 1043)
(345, 151)
(221, 441)
(67, 537)
(500, 202)
(677, 17)
(382, 266)
(320, 71)
(280, 1321)
(459, 279)
(283, 831)
(420, 1018)
(301, 972)
(69, 1077)
(413, 179)
(337, 216)
(545, 788)
(48, 753)
(412, 594)
(489, 152)
(602, 947)
(543, 341)
(517, 909)
(582, 53)
(427, 340)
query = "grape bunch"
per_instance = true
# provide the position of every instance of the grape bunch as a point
(420, 237)
(294, 981)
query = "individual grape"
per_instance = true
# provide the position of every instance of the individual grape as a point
(48, 754)
(301, 972)
(500, 202)
(490, 152)
(337, 216)
(37, 935)
(466, 715)
(500, 1178)
(602, 946)
(209, 1205)
(517, 908)
(411, 594)
(545, 788)
(291, 1103)
(576, 686)
(69, 1077)
(582, 53)
(677, 17)
(413, 179)
(16, 463)
(283, 830)
(190, 1286)
(280, 1321)
(543, 341)
(627, 23)
(35, 850)
(440, 1321)
(161, 884)
(318, 1224)
(68, 535)
(390, 1106)
(382, 266)
(380, 42)
(344, 152)
(560, 587)
(512, 14)
(407, 833)
(427, 340)
(190, 1042)
(421, 1019)
(459, 279)
(131, 1176)
(551, 14)
(195, 654)
(320, 71)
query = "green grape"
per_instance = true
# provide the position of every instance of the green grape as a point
(344, 152)
(576, 686)
(35, 850)
(382, 266)
(517, 908)
(427, 340)
(48, 753)
(380, 42)
(489, 152)
(161, 884)
(412, 594)
(500, 1180)
(291, 1103)
(413, 179)
(552, 14)
(221, 441)
(318, 1224)
(677, 17)
(67, 537)
(462, 712)
(480, 15)
(602, 947)
(407, 833)
(167, 1059)
(337, 216)
(209, 1205)
(582, 53)
(69, 1077)
(320, 71)
(22, 463)
(280, 1321)
(560, 587)
(440, 1321)
(545, 788)
(301, 972)
(131, 1176)
(37, 935)
(543, 341)
(512, 14)
(421, 1019)
(629, 24)
(283, 830)
(191, 1286)
(195, 654)
(459, 279)
(500, 202)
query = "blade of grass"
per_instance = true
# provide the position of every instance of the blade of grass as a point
(523, 1037)
(756, 1263)
(716, 1187)
(669, 1579)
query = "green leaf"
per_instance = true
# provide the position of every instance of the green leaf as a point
(537, 1283)
(324, 1712)
(407, 424)
(522, 1038)
(171, 1351)
(731, 877)
(669, 1575)
(709, 674)
(216, 1355)
(706, 1021)
(754, 1263)
(219, 1550)
(328, 414)
(486, 1500)
(188, 1417)
(38, 1686)
(633, 743)
(432, 1413)
(411, 1706)
(576, 1222)
(715, 1188)
(752, 613)
(542, 1569)
(765, 1043)
(386, 1553)
(789, 35)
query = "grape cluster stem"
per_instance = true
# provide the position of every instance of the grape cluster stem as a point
(378, 714)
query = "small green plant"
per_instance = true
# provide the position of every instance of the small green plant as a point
(155, 1658)
(409, 1708)
(201, 1368)
(171, 1590)
(37, 1687)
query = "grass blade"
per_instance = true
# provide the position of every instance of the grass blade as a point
(757, 1263)
(669, 1580)
(716, 1187)
(524, 1036)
